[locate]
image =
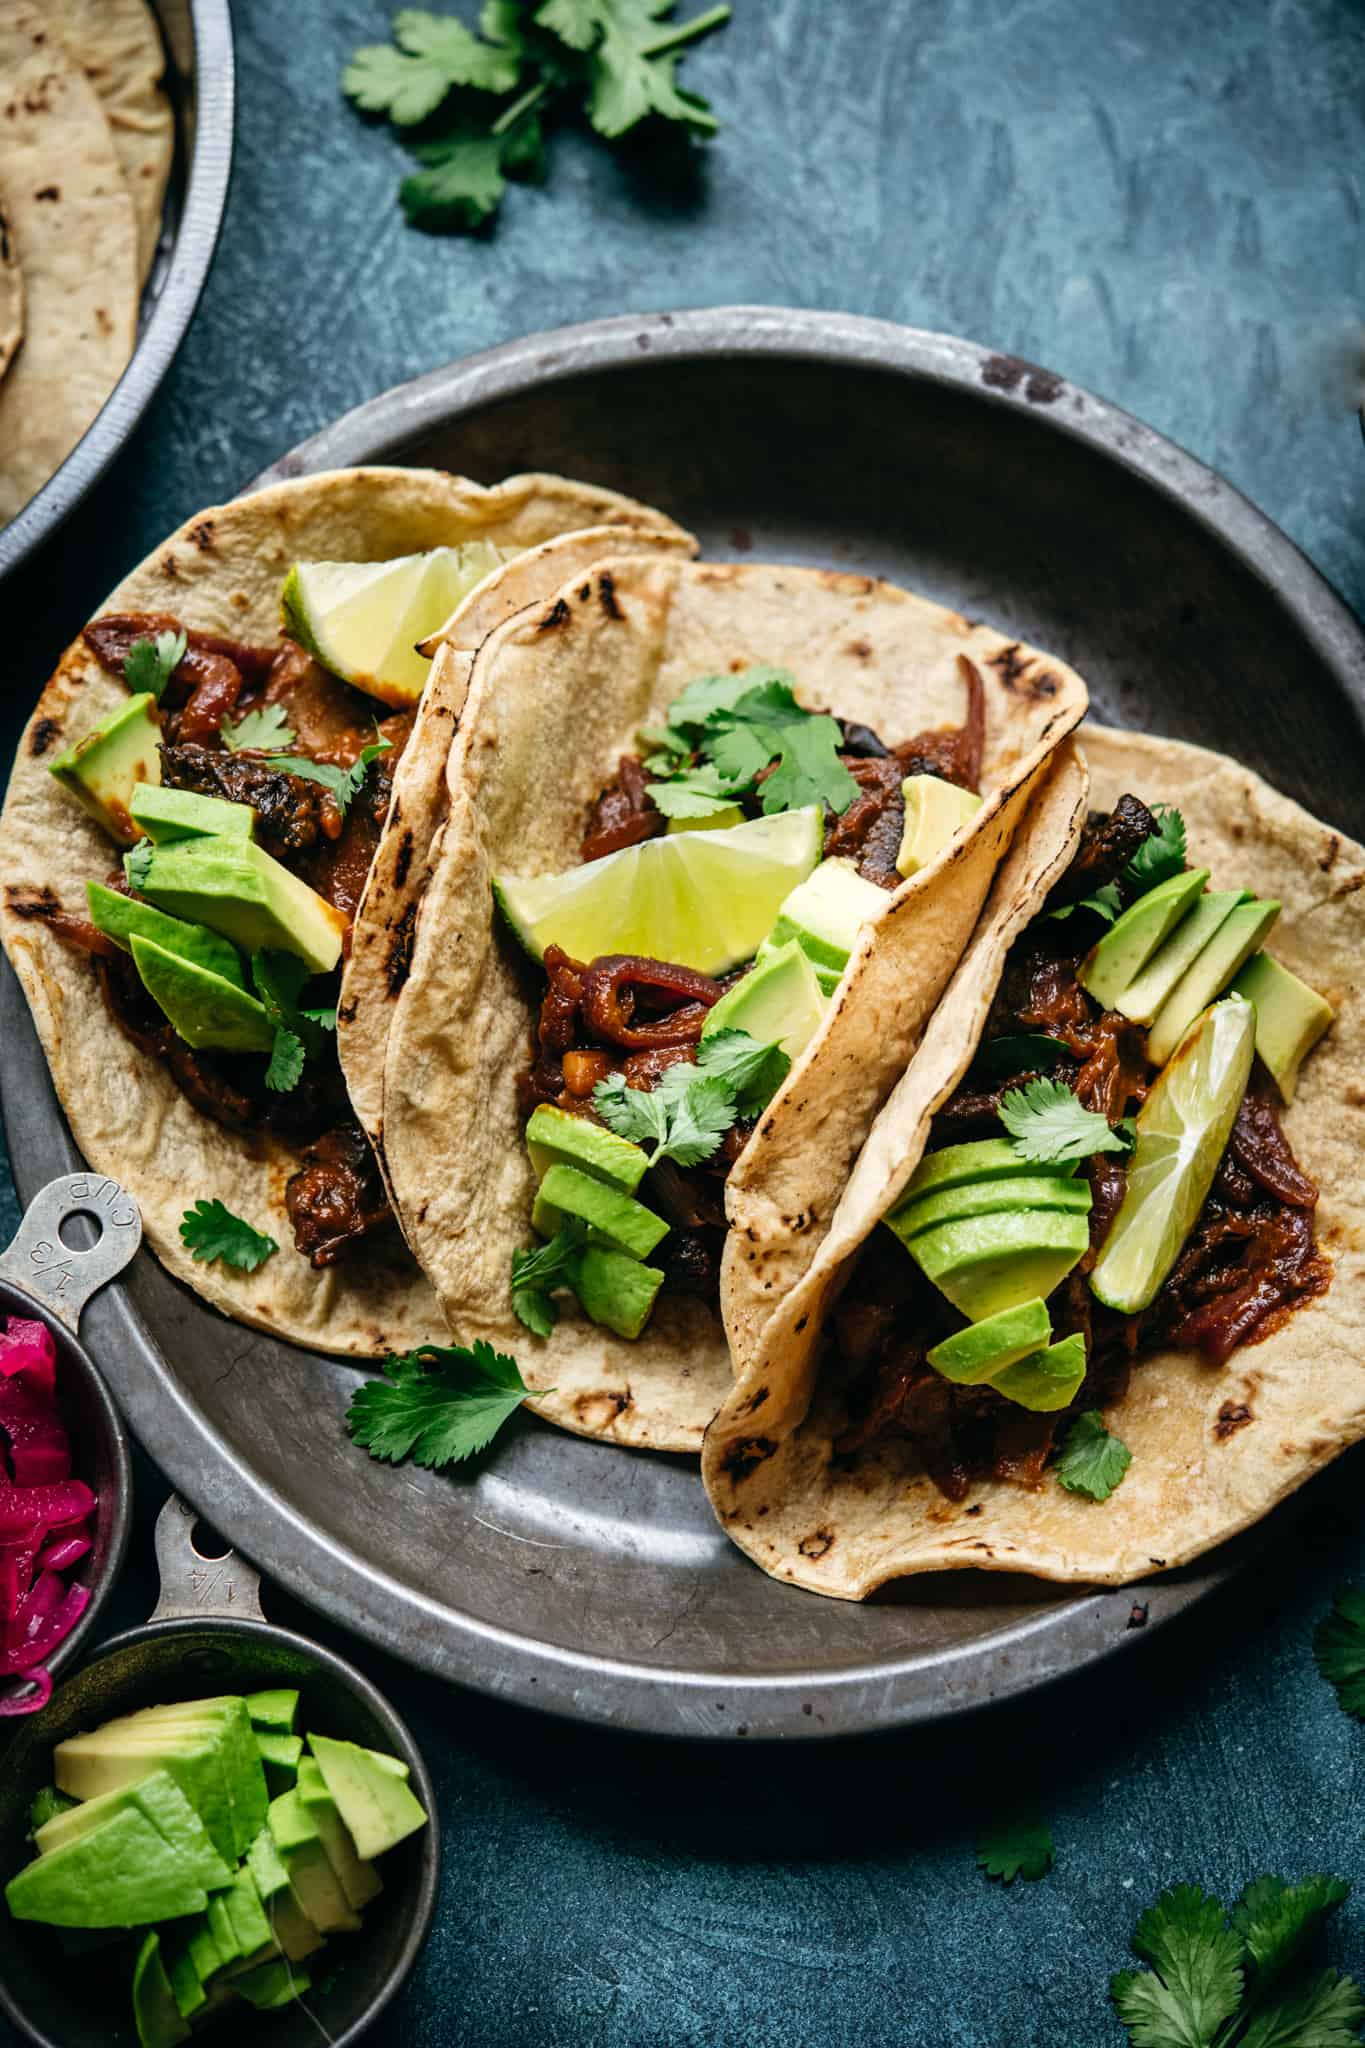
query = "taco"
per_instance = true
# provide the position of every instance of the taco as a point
(185, 998)
(714, 837)
(1114, 1315)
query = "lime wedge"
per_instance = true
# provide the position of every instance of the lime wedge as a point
(700, 899)
(1182, 1129)
(361, 620)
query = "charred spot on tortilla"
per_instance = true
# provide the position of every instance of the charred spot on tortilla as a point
(202, 534)
(817, 1544)
(746, 1454)
(170, 567)
(1009, 664)
(45, 732)
(606, 595)
(861, 650)
(22, 901)
(398, 958)
(558, 615)
(755, 1401)
(1327, 859)
(1232, 1416)
(403, 858)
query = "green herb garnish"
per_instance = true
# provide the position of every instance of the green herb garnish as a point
(1212, 1984)
(1106, 903)
(1339, 1649)
(1161, 855)
(279, 980)
(537, 1273)
(265, 727)
(478, 102)
(1092, 1462)
(211, 1231)
(1048, 1124)
(345, 784)
(1018, 1846)
(137, 863)
(693, 1104)
(150, 664)
(723, 732)
(438, 1405)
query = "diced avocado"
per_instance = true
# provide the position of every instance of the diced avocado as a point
(246, 1779)
(199, 1754)
(934, 811)
(1290, 1017)
(167, 814)
(247, 1913)
(47, 1804)
(1046, 1380)
(311, 1875)
(121, 917)
(1144, 996)
(204, 1009)
(554, 1138)
(186, 1987)
(983, 1350)
(202, 1950)
(158, 2018)
(360, 1880)
(988, 1263)
(985, 1197)
(1120, 956)
(289, 1924)
(221, 1928)
(101, 769)
(272, 1985)
(280, 1754)
(778, 1002)
(825, 913)
(236, 889)
(613, 1219)
(376, 1804)
(277, 1710)
(1231, 946)
(716, 821)
(166, 1807)
(614, 1289)
(985, 1159)
(122, 1874)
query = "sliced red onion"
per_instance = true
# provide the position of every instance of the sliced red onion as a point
(63, 1552)
(56, 1627)
(27, 1347)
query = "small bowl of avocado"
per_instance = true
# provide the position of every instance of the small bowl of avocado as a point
(214, 1825)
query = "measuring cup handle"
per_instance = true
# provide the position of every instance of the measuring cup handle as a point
(62, 1280)
(201, 1588)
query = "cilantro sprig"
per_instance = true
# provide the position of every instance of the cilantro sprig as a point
(692, 1105)
(279, 980)
(475, 105)
(1339, 1650)
(536, 1274)
(1218, 1980)
(438, 1405)
(1160, 856)
(725, 731)
(150, 664)
(210, 1231)
(137, 863)
(1048, 1124)
(1092, 1462)
(267, 726)
(345, 784)
(1019, 1845)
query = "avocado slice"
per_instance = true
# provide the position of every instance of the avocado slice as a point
(280, 1754)
(236, 889)
(276, 1710)
(1290, 1017)
(934, 811)
(555, 1138)
(988, 1263)
(101, 770)
(983, 1350)
(186, 1988)
(47, 1804)
(376, 1804)
(613, 1219)
(166, 1807)
(1120, 956)
(984, 1159)
(825, 914)
(1231, 946)
(196, 1744)
(1046, 1380)
(121, 1874)
(311, 1875)
(167, 814)
(778, 1002)
(204, 1009)
(272, 1985)
(119, 917)
(1144, 996)
(247, 1914)
(221, 1928)
(202, 1950)
(614, 1289)
(289, 1924)
(159, 2021)
(986, 1197)
(359, 1879)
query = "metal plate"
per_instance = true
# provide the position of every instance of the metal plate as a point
(199, 78)
(590, 1580)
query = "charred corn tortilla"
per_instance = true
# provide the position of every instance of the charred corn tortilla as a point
(117, 44)
(846, 1526)
(554, 698)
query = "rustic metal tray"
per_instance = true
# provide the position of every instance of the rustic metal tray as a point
(593, 1581)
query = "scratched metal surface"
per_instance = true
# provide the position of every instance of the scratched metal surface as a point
(1162, 203)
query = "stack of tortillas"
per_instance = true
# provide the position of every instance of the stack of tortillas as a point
(86, 141)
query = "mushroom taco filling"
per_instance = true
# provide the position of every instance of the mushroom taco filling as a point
(1088, 1303)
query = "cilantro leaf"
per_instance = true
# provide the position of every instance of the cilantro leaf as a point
(640, 1114)
(268, 726)
(325, 1018)
(137, 863)
(1276, 1921)
(743, 725)
(1326, 2013)
(286, 1062)
(150, 664)
(465, 173)
(536, 1274)
(684, 1116)
(434, 55)
(751, 1070)
(1092, 1462)
(211, 1231)
(810, 771)
(688, 797)
(438, 1405)
(1197, 1985)
(1047, 1123)
(1017, 1847)
(1339, 1650)
(705, 695)
(1105, 903)
(345, 784)
(278, 979)
(1161, 855)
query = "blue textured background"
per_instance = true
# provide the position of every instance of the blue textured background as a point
(1161, 200)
